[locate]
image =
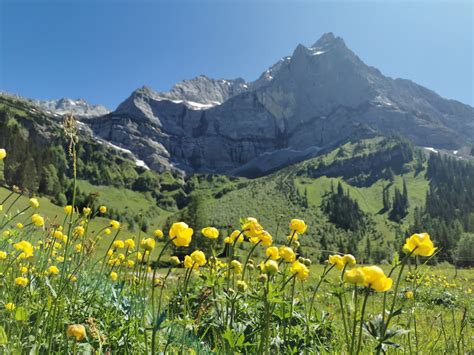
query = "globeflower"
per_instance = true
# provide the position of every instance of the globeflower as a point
(3, 154)
(78, 231)
(375, 278)
(300, 269)
(337, 261)
(270, 267)
(86, 211)
(130, 243)
(34, 202)
(272, 253)
(355, 276)
(419, 244)
(242, 286)
(68, 210)
(181, 234)
(174, 261)
(25, 247)
(158, 233)
(10, 306)
(199, 257)
(287, 254)
(298, 226)
(252, 228)
(37, 220)
(114, 224)
(236, 266)
(113, 276)
(348, 260)
(77, 331)
(210, 232)
(103, 209)
(53, 270)
(409, 295)
(148, 244)
(3, 255)
(118, 244)
(21, 281)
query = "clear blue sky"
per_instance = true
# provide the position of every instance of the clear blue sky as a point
(102, 50)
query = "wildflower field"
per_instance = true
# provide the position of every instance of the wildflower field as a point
(69, 284)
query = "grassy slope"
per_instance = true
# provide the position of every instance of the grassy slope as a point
(276, 198)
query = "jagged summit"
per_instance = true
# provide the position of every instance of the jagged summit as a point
(327, 39)
(317, 98)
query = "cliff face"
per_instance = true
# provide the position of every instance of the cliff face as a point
(318, 97)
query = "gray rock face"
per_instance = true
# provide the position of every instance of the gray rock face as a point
(79, 107)
(319, 97)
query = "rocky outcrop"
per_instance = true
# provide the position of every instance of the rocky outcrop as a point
(319, 97)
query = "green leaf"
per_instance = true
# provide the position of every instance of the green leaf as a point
(3, 336)
(21, 314)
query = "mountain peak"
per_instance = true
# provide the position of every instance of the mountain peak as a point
(327, 39)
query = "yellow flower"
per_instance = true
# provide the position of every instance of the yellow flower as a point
(3, 255)
(376, 279)
(252, 228)
(53, 270)
(86, 211)
(236, 235)
(199, 257)
(77, 331)
(37, 220)
(355, 276)
(298, 226)
(236, 266)
(270, 267)
(25, 247)
(272, 253)
(348, 260)
(60, 259)
(189, 263)
(409, 295)
(266, 239)
(103, 209)
(78, 231)
(58, 235)
(3, 154)
(130, 243)
(130, 263)
(227, 240)
(21, 281)
(78, 248)
(242, 286)
(287, 254)
(118, 244)
(113, 276)
(148, 244)
(68, 210)
(34, 202)
(300, 269)
(19, 225)
(114, 224)
(23, 269)
(181, 234)
(107, 231)
(72, 278)
(174, 261)
(10, 306)
(336, 260)
(210, 232)
(419, 244)
(158, 233)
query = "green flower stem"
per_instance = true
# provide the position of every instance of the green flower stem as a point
(359, 342)
(354, 324)
(248, 258)
(325, 272)
(153, 341)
